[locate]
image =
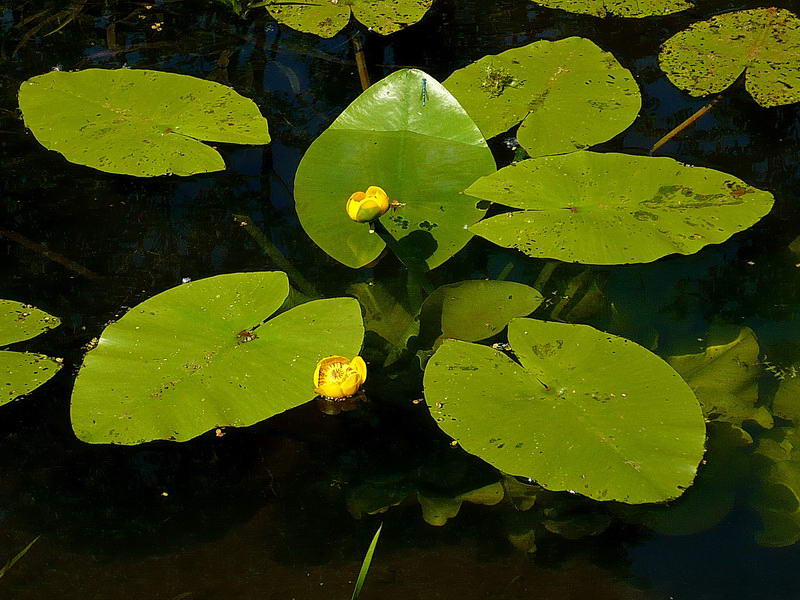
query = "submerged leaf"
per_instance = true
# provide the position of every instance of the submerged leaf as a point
(618, 8)
(603, 209)
(326, 18)
(569, 94)
(407, 135)
(763, 43)
(138, 122)
(725, 377)
(777, 495)
(586, 411)
(197, 356)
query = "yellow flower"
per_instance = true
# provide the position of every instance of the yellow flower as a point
(364, 207)
(337, 377)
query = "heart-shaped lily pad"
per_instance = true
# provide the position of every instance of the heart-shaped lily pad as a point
(569, 95)
(23, 372)
(204, 355)
(612, 208)
(138, 122)
(409, 136)
(764, 43)
(326, 18)
(585, 411)
(618, 8)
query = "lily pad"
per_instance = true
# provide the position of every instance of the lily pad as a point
(725, 377)
(777, 495)
(568, 94)
(618, 8)
(786, 403)
(605, 209)
(585, 411)
(20, 322)
(762, 43)
(475, 310)
(204, 355)
(138, 122)
(421, 148)
(23, 372)
(326, 18)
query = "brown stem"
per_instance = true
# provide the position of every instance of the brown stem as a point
(361, 63)
(54, 256)
(685, 124)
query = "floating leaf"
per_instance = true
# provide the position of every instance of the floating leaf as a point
(475, 310)
(138, 122)
(23, 372)
(570, 93)
(19, 322)
(612, 208)
(197, 356)
(763, 43)
(418, 145)
(586, 411)
(326, 18)
(725, 377)
(618, 8)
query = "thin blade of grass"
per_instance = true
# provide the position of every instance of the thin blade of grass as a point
(14, 560)
(362, 575)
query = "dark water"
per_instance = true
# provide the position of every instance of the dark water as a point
(262, 512)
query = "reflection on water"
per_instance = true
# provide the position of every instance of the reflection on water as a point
(270, 511)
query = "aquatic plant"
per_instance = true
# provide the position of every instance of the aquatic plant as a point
(619, 8)
(326, 18)
(337, 377)
(407, 134)
(23, 372)
(582, 411)
(137, 121)
(762, 44)
(608, 208)
(207, 354)
(568, 94)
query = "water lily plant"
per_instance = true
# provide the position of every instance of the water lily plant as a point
(337, 377)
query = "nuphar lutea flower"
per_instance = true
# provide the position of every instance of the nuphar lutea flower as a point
(363, 207)
(338, 377)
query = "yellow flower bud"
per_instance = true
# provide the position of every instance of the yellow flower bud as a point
(363, 207)
(337, 377)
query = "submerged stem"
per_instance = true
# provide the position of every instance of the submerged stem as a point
(277, 257)
(361, 63)
(685, 124)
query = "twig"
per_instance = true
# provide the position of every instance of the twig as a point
(361, 63)
(685, 124)
(54, 256)
(277, 257)
(16, 558)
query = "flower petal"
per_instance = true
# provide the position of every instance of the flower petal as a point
(360, 367)
(351, 384)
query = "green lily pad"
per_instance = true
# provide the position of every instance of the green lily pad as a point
(725, 377)
(437, 510)
(568, 94)
(326, 18)
(585, 411)
(613, 208)
(23, 372)
(618, 8)
(20, 322)
(138, 122)
(422, 149)
(764, 43)
(475, 310)
(178, 365)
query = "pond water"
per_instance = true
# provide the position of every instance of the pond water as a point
(268, 511)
